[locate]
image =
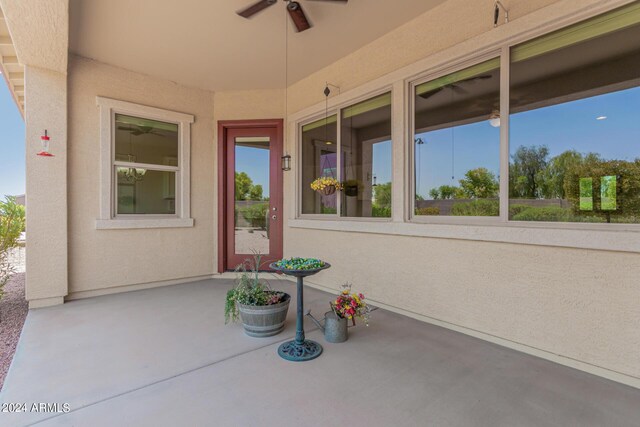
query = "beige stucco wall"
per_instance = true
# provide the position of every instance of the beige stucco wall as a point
(110, 258)
(46, 185)
(572, 305)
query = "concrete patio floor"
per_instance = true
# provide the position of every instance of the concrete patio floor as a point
(163, 357)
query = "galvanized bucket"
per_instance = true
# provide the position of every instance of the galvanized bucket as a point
(264, 320)
(335, 328)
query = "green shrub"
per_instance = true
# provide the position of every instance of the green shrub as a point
(546, 213)
(434, 210)
(256, 215)
(380, 211)
(480, 207)
(11, 225)
(516, 209)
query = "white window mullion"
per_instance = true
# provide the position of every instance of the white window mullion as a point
(339, 161)
(504, 134)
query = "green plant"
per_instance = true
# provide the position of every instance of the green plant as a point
(516, 209)
(434, 210)
(11, 225)
(480, 207)
(256, 215)
(380, 211)
(249, 290)
(547, 213)
(479, 183)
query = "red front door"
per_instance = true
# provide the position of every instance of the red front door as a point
(253, 193)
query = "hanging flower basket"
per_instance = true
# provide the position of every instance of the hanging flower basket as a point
(326, 185)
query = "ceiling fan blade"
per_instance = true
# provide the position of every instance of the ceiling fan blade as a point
(457, 89)
(298, 17)
(476, 78)
(429, 94)
(256, 7)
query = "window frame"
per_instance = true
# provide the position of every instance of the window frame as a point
(412, 84)
(591, 236)
(336, 108)
(108, 216)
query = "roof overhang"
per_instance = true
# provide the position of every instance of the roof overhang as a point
(12, 70)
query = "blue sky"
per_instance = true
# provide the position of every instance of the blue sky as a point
(255, 162)
(451, 152)
(12, 160)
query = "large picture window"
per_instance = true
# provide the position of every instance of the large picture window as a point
(574, 128)
(540, 131)
(457, 143)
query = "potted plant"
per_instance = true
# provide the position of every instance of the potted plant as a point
(262, 310)
(326, 185)
(351, 187)
(348, 306)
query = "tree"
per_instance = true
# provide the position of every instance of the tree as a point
(446, 192)
(11, 226)
(553, 177)
(243, 185)
(255, 193)
(479, 183)
(245, 190)
(525, 171)
(382, 195)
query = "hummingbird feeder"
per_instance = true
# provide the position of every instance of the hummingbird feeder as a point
(44, 139)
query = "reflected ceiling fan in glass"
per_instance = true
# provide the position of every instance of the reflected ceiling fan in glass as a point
(294, 8)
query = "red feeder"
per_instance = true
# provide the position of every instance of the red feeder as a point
(45, 145)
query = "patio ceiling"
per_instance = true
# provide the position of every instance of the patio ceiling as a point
(203, 43)
(10, 67)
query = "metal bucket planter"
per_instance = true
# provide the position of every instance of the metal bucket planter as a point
(334, 327)
(264, 320)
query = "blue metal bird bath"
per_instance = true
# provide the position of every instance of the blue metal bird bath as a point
(299, 349)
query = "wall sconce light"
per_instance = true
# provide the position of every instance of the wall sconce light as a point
(286, 162)
(44, 140)
(496, 13)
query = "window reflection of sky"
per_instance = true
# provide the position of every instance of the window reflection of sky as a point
(562, 127)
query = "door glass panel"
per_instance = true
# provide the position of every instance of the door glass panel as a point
(252, 195)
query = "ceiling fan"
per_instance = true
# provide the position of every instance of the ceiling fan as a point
(454, 86)
(139, 130)
(293, 7)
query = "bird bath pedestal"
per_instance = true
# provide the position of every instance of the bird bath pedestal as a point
(300, 349)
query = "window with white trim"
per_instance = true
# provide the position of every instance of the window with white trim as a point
(572, 130)
(361, 133)
(145, 166)
(457, 142)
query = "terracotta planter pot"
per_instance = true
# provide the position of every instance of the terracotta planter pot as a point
(264, 320)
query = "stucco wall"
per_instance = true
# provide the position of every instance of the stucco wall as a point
(46, 185)
(573, 305)
(110, 258)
